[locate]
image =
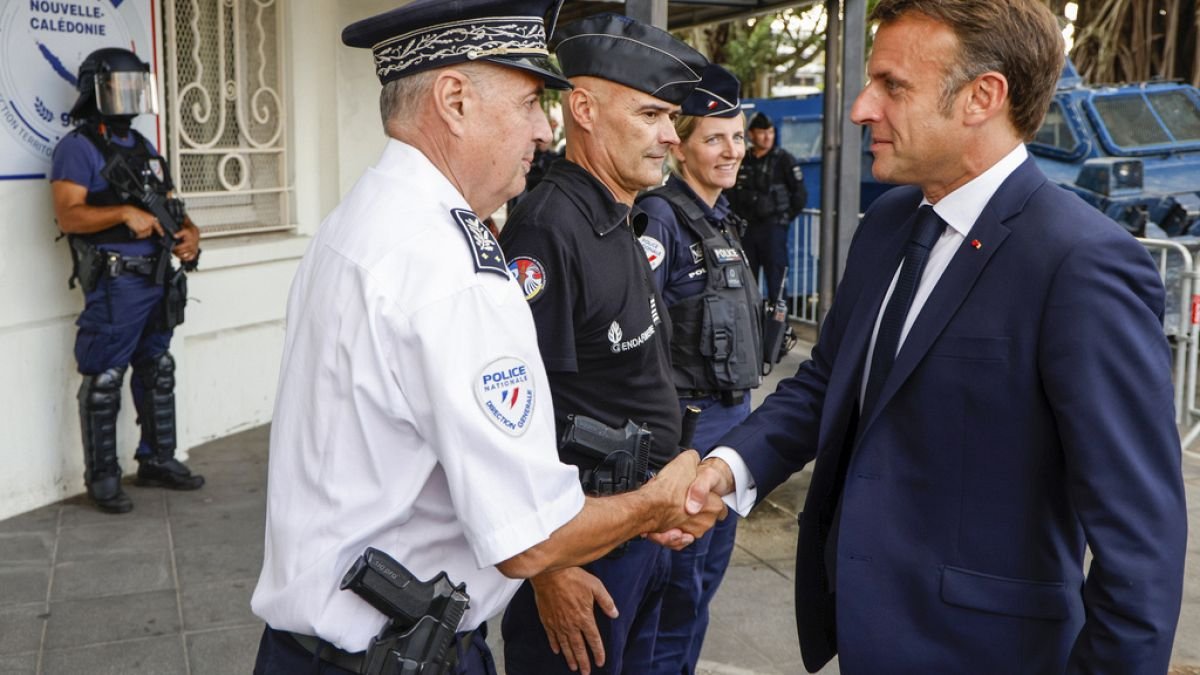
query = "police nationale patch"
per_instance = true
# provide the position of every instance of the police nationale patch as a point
(655, 251)
(484, 247)
(697, 251)
(530, 276)
(505, 392)
(725, 256)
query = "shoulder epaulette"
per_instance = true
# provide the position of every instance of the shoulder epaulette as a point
(484, 247)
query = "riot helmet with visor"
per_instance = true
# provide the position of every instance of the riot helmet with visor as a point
(114, 82)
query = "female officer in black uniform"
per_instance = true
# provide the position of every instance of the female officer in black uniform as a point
(694, 247)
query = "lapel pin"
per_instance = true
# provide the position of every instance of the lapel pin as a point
(976, 244)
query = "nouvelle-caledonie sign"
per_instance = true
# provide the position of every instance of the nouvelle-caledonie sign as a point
(42, 43)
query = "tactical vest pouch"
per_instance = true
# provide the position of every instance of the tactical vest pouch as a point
(719, 340)
(88, 264)
(173, 302)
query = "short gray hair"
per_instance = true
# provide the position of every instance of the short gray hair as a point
(400, 99)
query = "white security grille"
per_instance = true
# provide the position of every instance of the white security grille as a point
(226, 114)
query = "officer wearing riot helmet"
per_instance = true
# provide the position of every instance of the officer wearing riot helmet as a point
(105, 180)
(693, 245)
(769, 193)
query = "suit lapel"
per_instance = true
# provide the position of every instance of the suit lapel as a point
(960, 276)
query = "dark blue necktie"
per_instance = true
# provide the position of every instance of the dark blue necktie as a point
(926, 230)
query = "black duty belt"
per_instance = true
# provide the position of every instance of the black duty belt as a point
(328, 653)
(116, 264)
(727, 398)
(353, 661)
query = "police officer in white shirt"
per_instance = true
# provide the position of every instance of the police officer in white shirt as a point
(413, 414)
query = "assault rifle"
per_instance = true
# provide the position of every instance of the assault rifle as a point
(169, 212)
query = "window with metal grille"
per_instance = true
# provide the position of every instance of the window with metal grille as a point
(226, 122)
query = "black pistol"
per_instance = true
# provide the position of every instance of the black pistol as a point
(610, 460)
(423, 616)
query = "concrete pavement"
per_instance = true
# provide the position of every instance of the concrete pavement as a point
(166, 588)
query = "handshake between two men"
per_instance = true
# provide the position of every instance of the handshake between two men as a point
(660, 509)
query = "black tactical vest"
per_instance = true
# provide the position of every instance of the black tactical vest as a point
(138, 156)
(717, 341)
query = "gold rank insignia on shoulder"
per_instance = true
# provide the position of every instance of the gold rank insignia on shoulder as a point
(484, 247)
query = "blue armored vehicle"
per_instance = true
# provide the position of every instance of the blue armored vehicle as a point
(1132, 151)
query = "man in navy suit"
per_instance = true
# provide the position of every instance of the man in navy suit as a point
(990, 394)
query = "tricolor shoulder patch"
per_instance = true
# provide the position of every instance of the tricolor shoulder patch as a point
(529, 275)
(484, 247)
(505, 392)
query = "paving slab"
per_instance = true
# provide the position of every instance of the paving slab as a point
(23, 583)
(87, 542)
(113, 574)
(21, 628)
(26, 547)
(19, 664)
(153, 656)
(44, 519)
(219, 604)
(88, 621)
(219, 652)
(217, 562)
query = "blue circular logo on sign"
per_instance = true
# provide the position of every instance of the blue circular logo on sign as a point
(42, 43)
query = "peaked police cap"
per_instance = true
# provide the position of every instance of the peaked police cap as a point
(427, 34)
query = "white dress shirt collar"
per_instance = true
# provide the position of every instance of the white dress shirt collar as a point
(961, 208)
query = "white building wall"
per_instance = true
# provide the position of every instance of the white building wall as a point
(228, 351)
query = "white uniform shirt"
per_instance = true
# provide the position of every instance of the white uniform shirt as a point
(413, 412)
(960, 209)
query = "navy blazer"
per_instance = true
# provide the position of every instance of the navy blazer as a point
(1029, 412)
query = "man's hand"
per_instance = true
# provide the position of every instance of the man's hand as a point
(713, 480)
(188, 246)
(142, 223)
(564, 601)
(672, 485)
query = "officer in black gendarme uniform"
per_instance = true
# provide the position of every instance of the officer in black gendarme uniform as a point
(602, 329)
(770, 193)
(106, 179)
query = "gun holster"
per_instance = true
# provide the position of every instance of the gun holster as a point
(174, 301)
(87, 263)
(610, 460)
(423, 616)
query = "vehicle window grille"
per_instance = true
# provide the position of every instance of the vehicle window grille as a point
(1130, 121)
(1179, 112)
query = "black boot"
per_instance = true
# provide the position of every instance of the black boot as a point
(156, 414)
(168, 472)
(99, 401)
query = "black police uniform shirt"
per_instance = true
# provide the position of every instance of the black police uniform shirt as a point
(603, 331)
(78, 160)
(673, 250)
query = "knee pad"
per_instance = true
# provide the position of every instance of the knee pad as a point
(157, 409)
(99, 402)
